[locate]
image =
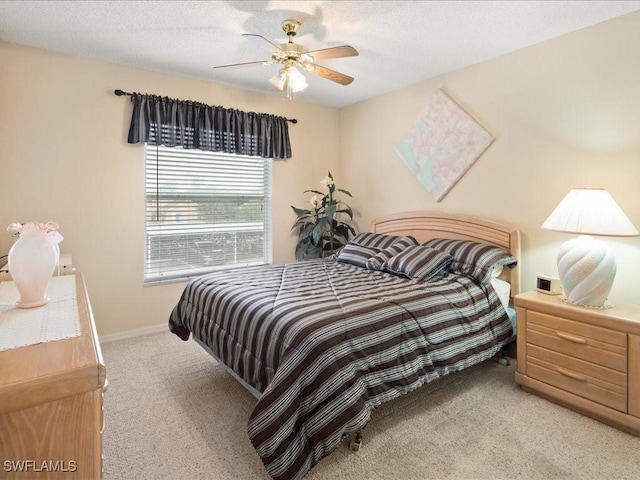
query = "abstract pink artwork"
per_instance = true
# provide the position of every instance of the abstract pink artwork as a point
(442, 144)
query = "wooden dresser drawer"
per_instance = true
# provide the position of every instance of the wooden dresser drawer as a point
(601, 346)
(594, 382)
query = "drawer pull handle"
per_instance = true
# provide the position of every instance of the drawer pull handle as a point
(570, 374)
(571, 338)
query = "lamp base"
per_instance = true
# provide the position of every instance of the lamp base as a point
(587, 268)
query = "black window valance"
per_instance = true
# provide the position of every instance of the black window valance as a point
(183, 123)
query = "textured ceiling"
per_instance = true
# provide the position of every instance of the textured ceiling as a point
(400, 43)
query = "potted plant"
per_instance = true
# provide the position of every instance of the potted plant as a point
(324, 228)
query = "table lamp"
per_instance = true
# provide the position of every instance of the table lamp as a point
(586, 265)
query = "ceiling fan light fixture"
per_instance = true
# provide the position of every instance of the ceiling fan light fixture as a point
(292, 55)
(297, 81)
(279, 80)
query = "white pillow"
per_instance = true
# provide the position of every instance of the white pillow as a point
(503, 290)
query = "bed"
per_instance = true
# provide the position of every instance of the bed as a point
(322, 343)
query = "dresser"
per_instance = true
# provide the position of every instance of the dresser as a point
(586, 359)
(51, 404)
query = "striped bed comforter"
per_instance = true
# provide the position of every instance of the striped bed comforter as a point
(326, 343)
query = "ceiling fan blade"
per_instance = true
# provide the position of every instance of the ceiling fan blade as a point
(329, 74)
(262, 42)
(334, 52)
(247, 64)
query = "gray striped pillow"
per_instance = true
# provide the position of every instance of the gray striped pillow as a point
(474, 259)
(419, 262)
(355, 254)
(375, 240)
(377, 261)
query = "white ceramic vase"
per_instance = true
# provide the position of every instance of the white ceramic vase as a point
(32, 261)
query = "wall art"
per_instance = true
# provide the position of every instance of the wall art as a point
(442, 144)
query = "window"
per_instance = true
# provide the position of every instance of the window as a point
(204, 211)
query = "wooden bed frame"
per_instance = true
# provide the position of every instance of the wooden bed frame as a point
(424, 226)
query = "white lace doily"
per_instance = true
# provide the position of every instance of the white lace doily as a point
(56, 320)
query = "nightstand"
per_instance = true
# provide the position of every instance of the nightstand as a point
(586, 359)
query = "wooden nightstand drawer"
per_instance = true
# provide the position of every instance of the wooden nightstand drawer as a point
(597, 345)
(599, 384)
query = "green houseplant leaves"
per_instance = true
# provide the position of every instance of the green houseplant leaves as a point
(324, 228)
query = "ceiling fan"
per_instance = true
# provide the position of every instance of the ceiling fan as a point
(292, 55)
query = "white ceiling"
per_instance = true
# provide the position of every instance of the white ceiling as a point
(400, 43)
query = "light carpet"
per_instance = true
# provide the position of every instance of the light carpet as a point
(173, 413)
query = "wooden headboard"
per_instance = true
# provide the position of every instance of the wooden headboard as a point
(427, 225)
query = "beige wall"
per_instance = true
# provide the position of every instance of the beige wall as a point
(565, 114)
(64, 157)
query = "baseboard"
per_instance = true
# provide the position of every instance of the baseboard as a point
(139, 332)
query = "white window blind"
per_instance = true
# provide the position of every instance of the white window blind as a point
(204, 211)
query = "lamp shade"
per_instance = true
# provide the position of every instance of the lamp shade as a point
(590, 211)
(297, 82)
(279, 80)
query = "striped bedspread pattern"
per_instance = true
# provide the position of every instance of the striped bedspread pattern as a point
(327, 342)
